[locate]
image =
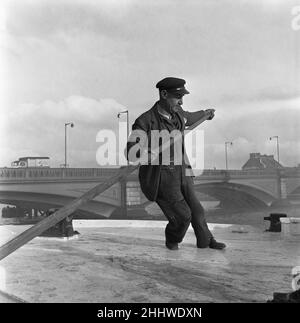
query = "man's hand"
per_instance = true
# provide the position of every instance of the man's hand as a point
(210, 113)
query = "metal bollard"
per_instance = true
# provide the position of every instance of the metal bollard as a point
(275, 224)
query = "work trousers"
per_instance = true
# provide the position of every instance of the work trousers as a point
(178, 201)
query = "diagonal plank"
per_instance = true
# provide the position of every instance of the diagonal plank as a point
(68, 209)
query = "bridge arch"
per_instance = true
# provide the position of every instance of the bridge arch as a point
(235, 195)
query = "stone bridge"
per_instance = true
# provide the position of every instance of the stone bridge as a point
(44, 188)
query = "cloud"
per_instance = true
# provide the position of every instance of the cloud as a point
(39, 128)
(42, 19)
(83, 109)
(78, 108)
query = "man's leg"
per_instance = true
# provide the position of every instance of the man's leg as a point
(199, 224)
(179, 217)
(203, 235)
(172, 203)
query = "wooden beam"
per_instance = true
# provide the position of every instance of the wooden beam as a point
(68, 209)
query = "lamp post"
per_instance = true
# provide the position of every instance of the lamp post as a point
(127, 118)
(226, 161)
(277, 138)
(123, 182)
(66, 125)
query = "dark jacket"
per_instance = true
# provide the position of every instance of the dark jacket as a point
(149, 175)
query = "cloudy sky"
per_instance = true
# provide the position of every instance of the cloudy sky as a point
(85, 61)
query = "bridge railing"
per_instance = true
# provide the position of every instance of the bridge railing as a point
(14, 174)
(32, 174)
(222, 173)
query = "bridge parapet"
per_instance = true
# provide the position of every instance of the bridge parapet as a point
(33, 174)
(290, 172)
(36, 174)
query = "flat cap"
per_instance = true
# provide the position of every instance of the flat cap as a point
(173, 85)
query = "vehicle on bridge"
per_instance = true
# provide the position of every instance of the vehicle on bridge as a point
(25, 162)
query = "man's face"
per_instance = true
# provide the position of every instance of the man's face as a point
(173, 102)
